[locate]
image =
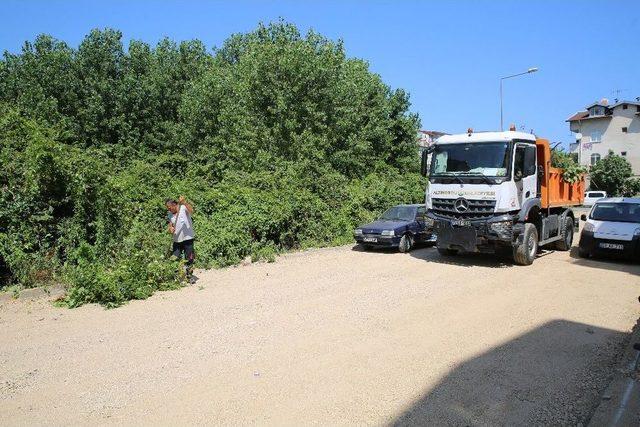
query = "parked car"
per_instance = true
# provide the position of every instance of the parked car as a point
(590, 197)
(612, 228)
(401, 226)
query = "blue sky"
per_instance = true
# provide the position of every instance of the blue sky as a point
(448, 55)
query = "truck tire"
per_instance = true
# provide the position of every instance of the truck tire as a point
(406, 243)
(565, 243)
(447, 252)
(525, 253)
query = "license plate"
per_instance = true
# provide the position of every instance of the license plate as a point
(461, 222)
(612, 246)
(370, 239)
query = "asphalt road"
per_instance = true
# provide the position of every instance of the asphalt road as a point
(333, 337)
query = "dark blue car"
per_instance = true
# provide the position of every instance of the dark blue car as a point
(401, 226)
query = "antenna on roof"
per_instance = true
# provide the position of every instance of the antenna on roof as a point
(616, 93)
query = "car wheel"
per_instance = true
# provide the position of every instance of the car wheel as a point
(447, 252)
(406, 243)
(525, 253)
(565, 243)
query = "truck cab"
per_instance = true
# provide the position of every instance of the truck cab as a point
(497, 192)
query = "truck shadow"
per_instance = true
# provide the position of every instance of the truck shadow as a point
(463, 260)
(552, 375)
(607, 263)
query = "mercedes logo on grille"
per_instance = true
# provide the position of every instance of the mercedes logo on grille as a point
(461, 205)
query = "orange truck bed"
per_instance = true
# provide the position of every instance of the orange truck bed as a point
(555, 192)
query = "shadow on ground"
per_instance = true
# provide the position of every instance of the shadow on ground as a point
(552, 375)
(608, 263)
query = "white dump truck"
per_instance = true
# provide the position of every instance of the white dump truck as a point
(497, 192)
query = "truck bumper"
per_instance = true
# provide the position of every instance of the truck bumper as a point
(463, 238)
(477, 236)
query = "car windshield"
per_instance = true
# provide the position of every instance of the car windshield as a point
(403, 213)
(618, 212)
(477, 158)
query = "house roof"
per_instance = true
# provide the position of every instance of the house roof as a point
(580, 115)
(624, 102)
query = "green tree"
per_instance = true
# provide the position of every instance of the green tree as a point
(611, 174)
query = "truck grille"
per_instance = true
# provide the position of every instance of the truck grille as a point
(478, 209)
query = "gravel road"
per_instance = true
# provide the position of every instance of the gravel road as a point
(333, 337)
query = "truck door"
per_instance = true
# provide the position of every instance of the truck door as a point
(524, 171)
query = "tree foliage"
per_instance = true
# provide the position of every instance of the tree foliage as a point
(566, 161)
(280, 140)
(613, 174)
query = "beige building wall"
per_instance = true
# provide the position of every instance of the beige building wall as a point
(613, 138)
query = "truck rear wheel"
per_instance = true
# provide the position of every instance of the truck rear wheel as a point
(565, 243)
(525, 253)
(447, 252)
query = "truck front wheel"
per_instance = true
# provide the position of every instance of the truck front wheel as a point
(525, 253)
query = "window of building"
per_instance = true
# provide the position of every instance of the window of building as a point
(625, 129)
(595, 157)
(624, 106)
(596, 111)
(623, 153)
(596, 136)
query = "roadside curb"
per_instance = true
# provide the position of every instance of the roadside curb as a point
(49, 292)
(620, 402)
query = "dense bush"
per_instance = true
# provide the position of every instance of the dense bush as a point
(278, 139)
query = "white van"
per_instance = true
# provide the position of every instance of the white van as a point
(612, 228)
(590, 197)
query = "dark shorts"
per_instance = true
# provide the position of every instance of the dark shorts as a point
(185, 247)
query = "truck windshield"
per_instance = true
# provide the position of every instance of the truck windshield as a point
(477, 158)
(617, 212)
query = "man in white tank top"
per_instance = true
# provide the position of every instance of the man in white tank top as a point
(181, 228)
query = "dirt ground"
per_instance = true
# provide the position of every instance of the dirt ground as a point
(333, 337)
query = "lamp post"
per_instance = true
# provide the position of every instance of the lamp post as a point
(529, 71)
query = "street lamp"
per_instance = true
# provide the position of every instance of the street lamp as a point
(529, 71)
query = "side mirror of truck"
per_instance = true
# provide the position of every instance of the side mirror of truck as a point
(583, 217)
(423, 162)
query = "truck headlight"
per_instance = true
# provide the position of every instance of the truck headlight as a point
(587, 227)
(504, 229)
(358, 232)
(388, 233)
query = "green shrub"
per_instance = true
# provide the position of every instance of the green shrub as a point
(278, 139)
